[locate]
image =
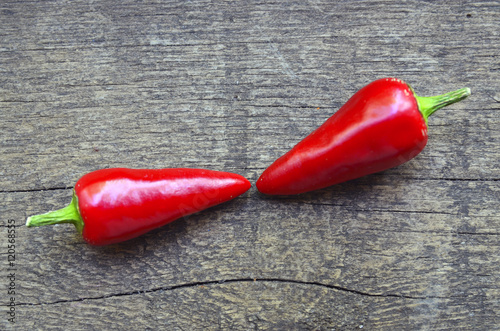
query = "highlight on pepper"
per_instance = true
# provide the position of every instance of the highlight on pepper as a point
(118, 204)
(381, 126)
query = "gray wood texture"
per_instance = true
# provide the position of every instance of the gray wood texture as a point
(232, 85)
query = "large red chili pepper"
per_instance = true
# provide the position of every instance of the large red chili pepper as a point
(381, 126)
(114, 205)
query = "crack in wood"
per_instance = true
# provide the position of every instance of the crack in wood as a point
(243, 280)
(478, 233)
(38, 189)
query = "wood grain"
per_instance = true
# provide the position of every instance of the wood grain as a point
(231, 86)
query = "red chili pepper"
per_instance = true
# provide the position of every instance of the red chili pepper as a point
(114, 205)
(381, 126)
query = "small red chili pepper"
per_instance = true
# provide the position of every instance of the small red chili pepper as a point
(381, 126)
(114, 205)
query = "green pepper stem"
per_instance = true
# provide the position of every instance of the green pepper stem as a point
(428, 105)
(68, 214)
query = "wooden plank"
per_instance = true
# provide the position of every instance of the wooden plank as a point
(248, 304)
(231, 86)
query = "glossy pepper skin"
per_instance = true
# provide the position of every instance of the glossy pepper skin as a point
(381, 126)
(114, 205)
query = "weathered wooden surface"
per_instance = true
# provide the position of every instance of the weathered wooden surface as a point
(231, 86)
